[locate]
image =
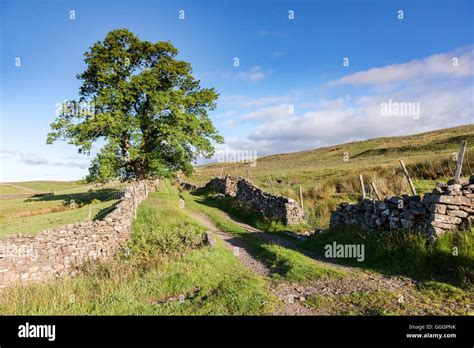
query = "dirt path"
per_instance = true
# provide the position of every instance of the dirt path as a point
(355, 280)
(239, 248)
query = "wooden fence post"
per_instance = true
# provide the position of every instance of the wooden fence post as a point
(361, 179)
(250, 176)
(236, 176)
(134, 202)
(301, 199)
(222, 171)
(410, 183)
(372, 184)
(460, 158)
(271, 184)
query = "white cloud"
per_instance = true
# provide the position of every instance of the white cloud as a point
(34, 159)
(435, 66)
(254, 74)
(443, 93)
(276, 112)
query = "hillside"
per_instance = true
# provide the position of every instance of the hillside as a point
(327, 178)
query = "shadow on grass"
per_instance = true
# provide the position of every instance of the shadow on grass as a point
(450, 259)
(80, 198)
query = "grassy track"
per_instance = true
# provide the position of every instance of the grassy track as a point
(445, 281)
(287, 264)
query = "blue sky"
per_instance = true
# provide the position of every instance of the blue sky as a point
(285, 64)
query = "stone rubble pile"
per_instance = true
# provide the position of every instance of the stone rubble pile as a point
(225, 185)
(449, 207)
(59, 252)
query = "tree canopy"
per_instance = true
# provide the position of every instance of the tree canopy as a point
(146, 105)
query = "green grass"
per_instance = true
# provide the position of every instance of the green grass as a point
(33, 214)
(11, 190)
(286, 264)
(407, 253)
(47, 186)
(36, 223)
(167, 272)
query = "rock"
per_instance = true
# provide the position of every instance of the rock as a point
(209, 239)
(455, 200)
(458, 213)
(406, 223)
(446, 219)
(438, 208)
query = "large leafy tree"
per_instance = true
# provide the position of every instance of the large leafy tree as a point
(146, 105)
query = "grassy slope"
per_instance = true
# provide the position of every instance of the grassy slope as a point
(168, 272)
(307, 165)
(37, 223)
(46, 186)
(327, 179)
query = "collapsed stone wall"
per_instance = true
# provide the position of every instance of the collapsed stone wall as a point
(447, 208)
(225, 185)
(273, 207)
(58, 252)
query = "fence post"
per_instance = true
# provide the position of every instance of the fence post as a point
(271, 184)
(361, 179)
(134, 202)
(250, 176)
(222, 171)
(301, 199)
(459, 160)
(236, 176)
(372, 184)
(410, 183)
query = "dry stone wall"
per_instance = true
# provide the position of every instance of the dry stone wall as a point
(59, 252)
(225, 185)
(273, 207)
(280, 208)
(447, 208)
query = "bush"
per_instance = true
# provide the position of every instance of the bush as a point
(177, 235)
